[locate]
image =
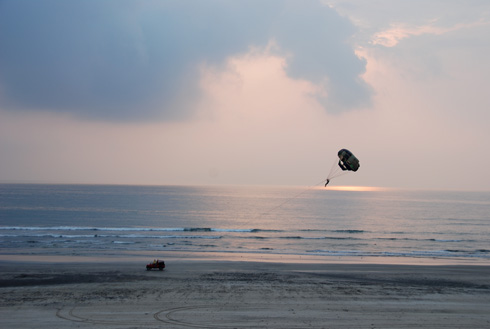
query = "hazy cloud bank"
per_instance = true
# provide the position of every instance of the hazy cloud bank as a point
(139, 60)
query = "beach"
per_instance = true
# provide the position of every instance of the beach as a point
(213, 293)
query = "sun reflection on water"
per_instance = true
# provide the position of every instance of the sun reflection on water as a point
(357, 188)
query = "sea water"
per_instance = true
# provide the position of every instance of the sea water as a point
(64, 220)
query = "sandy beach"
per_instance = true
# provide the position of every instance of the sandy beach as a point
(242, 294)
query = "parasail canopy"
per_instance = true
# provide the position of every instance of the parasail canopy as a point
(347, 162)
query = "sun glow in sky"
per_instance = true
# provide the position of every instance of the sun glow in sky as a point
(174, 92)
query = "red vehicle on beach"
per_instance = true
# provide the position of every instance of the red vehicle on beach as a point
(157, 264)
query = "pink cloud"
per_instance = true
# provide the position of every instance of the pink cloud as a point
(392, 36)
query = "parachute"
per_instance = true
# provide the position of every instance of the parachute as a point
(347, 162)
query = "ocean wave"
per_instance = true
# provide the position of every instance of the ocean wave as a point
(122, 242)
(121, 236)
(141, 229)
(297, 237)
(415, 254)
(349, 231)
(336, 231)
(447, 240)
(319, 238)
(477, 251)
(430, 239)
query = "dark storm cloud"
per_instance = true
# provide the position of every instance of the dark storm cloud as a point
(138, 60)
(318, 39)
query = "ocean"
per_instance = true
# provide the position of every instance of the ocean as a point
(321, 223)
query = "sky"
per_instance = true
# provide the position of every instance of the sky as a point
(245, 92)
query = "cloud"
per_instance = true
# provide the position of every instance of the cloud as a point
(263, 129)
(140, 60)
(398, 32)
(318, 38)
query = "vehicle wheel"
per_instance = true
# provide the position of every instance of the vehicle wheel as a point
(160, 268)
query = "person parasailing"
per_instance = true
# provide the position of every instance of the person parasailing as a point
(347, 162)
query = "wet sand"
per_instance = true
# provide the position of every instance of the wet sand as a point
(242, 294)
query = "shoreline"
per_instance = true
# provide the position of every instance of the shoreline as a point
(147, 256)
